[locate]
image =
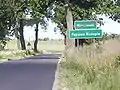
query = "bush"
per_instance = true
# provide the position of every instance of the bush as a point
(45, 39)
(2, 45)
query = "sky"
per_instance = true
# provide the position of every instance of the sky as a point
(29, 32)
(110, 26)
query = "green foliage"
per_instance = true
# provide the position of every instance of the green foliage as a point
(29, 53)
(11, 11)
(39, 9)
(81, 10)
(28, 44)
(6, 21)
(114, 10)
(46, 39)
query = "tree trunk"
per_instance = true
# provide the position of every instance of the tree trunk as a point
(18, 38)
(64, 37)
(69, 20)
(69, 42)
(36, 38)
(22, 40)
(17, 34)
(18, 43)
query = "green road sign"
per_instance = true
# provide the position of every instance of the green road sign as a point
(85, 24)
(85, 34)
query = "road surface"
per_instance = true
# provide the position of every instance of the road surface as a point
(34, 73)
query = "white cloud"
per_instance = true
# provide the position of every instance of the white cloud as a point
(110, 26)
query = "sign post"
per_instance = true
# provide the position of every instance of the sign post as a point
(85, 24)
(85, 34)
(85, 29)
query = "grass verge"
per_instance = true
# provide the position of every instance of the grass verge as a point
(88, 73)
(16, 56)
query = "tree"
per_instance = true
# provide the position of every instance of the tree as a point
(36, 38)
(22, 40)
(115, 11)
(70, 10)
(7, 21)
(21, 15)
(39, 10)
(14, 12)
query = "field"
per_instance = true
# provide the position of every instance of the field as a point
(54, 46)
(11, 51)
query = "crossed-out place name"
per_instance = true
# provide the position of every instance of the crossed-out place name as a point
(86, 34)
(90, 25)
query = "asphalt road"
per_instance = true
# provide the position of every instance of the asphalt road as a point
(34, 73)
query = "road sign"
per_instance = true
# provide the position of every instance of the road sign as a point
(85, 34)
(85, 24)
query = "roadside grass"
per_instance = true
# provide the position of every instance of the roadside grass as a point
(82, 72)
(17, 55)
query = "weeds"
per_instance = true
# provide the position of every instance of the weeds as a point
(19, 55)
(82, 72)
(118, 61)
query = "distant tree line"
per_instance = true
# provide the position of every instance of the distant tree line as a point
(48, 39)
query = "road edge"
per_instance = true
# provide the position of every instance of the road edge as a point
(56, 81)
